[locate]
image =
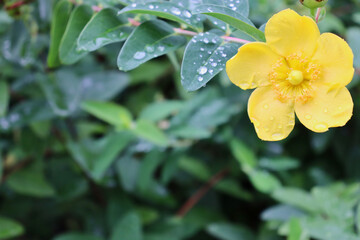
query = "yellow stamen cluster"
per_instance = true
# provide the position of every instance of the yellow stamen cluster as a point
(292, 77)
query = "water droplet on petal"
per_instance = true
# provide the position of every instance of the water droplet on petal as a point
(244, 85)
(271, 118)
(308, 116)
(277, 136)
(139, 55)
(266, 106)
(325, 110)
(321, 127)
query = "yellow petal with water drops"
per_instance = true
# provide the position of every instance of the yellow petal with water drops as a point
(327, 108)
(335, 57)
(251, 66)
(272, 118)
(287, 33)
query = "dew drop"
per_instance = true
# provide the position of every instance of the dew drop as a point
(214, 64)
(267, 129)
(325, 110)
(244, 85)
(211, 71)
(271, 118)
(151, 6)
(133, 5)
(200, 78)
(206, 40)
(139, 55)
(149, 49)
(175, 11)
(265, 106)
(308, 116)
(187, 14)
(202, 70)
(161, 48)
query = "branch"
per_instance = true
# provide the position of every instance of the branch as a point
(194, 199)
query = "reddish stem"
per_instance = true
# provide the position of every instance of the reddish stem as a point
(195, 198)
(15, 5)
(317, 16)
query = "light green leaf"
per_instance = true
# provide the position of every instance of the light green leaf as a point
(150, 132)
(58, 25)
(190, 132)
(109, 112)
(104, 27)
(233, 18)
(243, 154)
(4, 98)
(68, 51)
(10, 228)
(151, 39)
(205, 56)
(159, 110)
(263, 181)
(296, 198)
(165, 10)
(128, 228)
(226, 231)
(295, 231)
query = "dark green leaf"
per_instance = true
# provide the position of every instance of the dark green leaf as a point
(166, 10)
(151, 39)
(77, 236)
(105, 27)
(58, 25)
(4, 97)
(128, 228)
(226, 231)
(205, 56)
(233, 18)
(9, 228)
(68, 51)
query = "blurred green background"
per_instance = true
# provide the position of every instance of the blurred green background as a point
(192, 168)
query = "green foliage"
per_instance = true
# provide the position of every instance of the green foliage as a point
(89, 152)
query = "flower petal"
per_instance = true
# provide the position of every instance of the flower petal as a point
(327, 108)
(273, 119)
(287, 32)
(251, 66)
(336, 58)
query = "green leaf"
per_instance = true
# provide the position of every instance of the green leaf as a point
(151, 39)
(128, 228)
(77, 236)
(150, 132)
(226, 231)
(165, 10)
(147, 169)
(159, 110)
(31, 181)
(205, 56)
(10, 228)
(127, 168)
(190, 132)
(264, 181)
(104, 27)
(295, 230)
(58, 25)
(243, 154)
(279, 164)
(4, 98)
(96, 156)
(296, 198)
(68, 51)
(109, 112)
(233, 18)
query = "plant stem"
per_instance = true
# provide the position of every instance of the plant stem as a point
(191, 33)
(194, 199)
(317, 16)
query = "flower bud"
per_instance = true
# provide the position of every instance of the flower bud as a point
(313, 3)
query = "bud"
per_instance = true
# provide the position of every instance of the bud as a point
(314, 3)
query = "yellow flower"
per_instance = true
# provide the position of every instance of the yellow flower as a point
(297, 71)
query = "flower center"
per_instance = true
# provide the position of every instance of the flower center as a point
(295, 77)
(292, 77)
